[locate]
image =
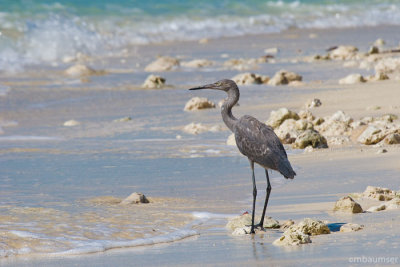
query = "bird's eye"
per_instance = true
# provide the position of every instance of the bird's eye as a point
(218, 84)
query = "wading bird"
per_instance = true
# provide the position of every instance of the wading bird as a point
(257, 141)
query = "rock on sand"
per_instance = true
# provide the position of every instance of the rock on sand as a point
(277, 117)
(250, 78)
(290, 129)
(379, 193)
(80, 70)
(352, 79)
(343, 52)
(347, 204)
(388, 65)
(292, 238)
(388, 205)
(350, 227)
(241, 225)
(300, 233)
(197, 128)
(154, 81)
(134, 198)
(284, 77)
(310, 138)
(197, 103)
(163, 64)
(393, 138)
(370, 135)
(314, 103)
(197, 63)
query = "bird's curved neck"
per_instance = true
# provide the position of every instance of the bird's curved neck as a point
(226, 109)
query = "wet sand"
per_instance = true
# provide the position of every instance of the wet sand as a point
(190, 170)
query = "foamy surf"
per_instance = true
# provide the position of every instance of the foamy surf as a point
(92, 246)
(91, 226)
(203, 215)
(28, 37)
(23, 138)
(101, 246)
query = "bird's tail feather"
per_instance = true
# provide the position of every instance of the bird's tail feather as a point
(286, 170)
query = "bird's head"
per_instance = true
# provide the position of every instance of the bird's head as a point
(224, 85)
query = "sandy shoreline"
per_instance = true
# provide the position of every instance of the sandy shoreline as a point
(323, 176)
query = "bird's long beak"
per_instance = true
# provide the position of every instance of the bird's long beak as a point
(207, 86)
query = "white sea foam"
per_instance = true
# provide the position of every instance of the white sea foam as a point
(85, 247)
(70, 245)
(23, 138)
(208, 215)
(48, 39)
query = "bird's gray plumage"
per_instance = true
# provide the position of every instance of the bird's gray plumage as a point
(260, 144)
(254, 139)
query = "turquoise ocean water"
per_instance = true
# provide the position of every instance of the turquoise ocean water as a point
(44, 31)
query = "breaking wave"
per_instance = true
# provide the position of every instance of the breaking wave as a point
(51, 33)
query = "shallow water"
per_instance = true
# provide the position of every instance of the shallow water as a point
(60, 185)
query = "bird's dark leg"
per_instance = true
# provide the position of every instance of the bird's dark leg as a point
(266, 199)
(254, 197)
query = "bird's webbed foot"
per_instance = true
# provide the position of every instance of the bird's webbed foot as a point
(256, 226)
(259, 226)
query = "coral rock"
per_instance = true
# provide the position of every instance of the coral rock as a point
(370, 135)
(350, 227)
(310, 138)
(239, 221)
(243, 64)
(198, 63)
(284, 77)
(163, 64)
(306, 115)
(292, 238)
(154, 81)
(347, 204)
(270, 223)
(134, 198)
(388, 65)
(373, 50)
(300, 233)
(277, 117)
(379, 42)
(197, 103)
(243, 221)
(242, 230)
(250, 78)
(197, 128)
(379, 193)
(352, 79)
(311, 227)
(314, 103)
(343, 52)
(80, 70)
(287, 224)
(287, 131)
(393, 138)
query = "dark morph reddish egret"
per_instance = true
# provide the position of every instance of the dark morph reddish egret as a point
(257, 141)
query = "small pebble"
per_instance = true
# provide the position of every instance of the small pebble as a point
(381, 151)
